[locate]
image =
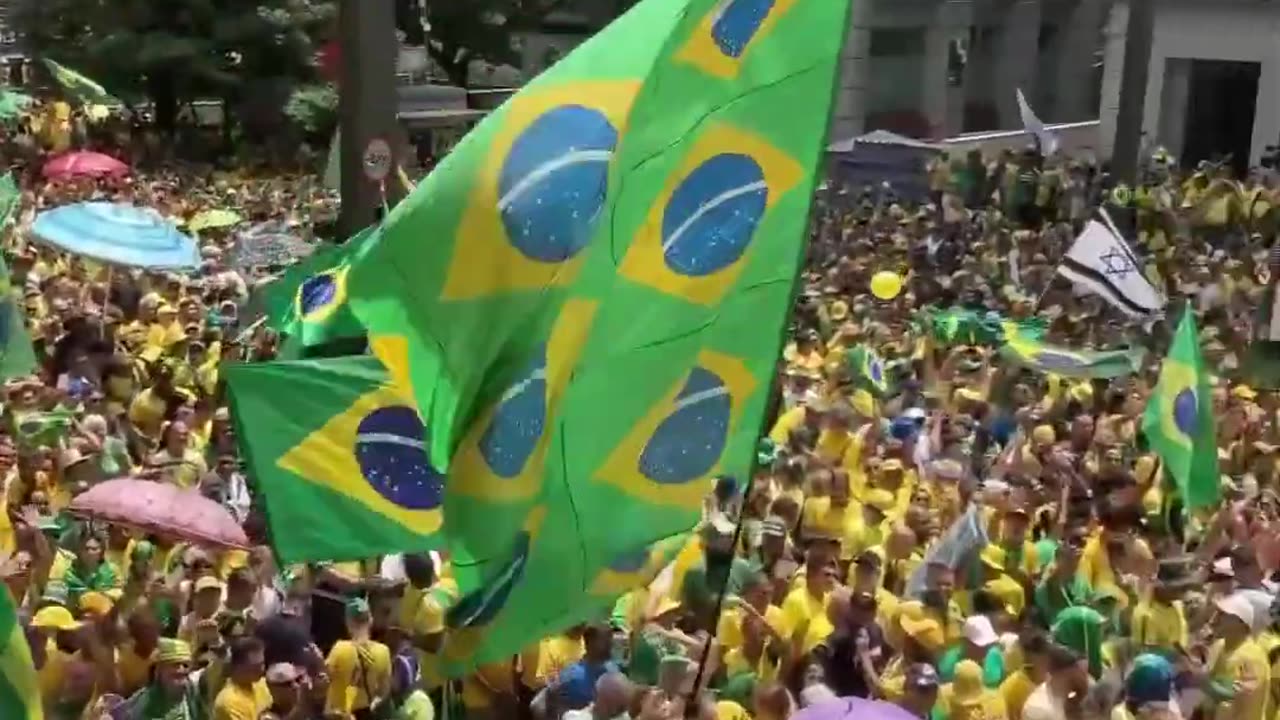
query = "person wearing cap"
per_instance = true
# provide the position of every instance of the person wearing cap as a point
(871, 529)
(172, 693)
(980, 645)
(719, 567)
(285, 681)
(967, 697)
(1159, 622)
(920, 690)
(199, 626)
(359, 668)
(1150, 685)
(56, 632)
(920, 638)
(1237, 675)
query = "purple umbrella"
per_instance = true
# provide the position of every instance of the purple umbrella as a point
(853, 707)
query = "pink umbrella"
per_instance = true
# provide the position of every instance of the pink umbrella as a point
(162, 508)
(80, 163)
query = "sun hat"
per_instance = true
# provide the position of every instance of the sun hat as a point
(55, 617)
(966, 685)
(978, 631)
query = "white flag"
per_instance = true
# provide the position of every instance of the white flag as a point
(1101, 262)
(1032, 124)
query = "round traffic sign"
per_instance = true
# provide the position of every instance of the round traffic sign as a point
(377, 160)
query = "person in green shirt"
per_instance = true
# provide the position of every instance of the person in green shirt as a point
(1061, 587)
(982, 646)
(719, 568)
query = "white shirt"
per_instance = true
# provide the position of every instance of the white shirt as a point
(1043, 705)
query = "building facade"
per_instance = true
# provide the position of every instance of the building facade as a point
(927, 68)
(938, 68)
(1213, 83)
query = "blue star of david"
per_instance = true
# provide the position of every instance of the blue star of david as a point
(1116, 264)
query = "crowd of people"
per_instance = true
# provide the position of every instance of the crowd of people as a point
(1083, 588)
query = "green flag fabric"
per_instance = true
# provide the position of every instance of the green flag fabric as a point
(1179, 422)
(10, 195)
(1030, 352)
(308, 303)
(42, 429)
(19, 689)
(17, 356)
(662, 322)
(962, 326)
(337, 451)
(80, 87)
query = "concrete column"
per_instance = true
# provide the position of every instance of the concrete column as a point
(943, 105)
(1113, 69)
(849, 116)
(1016, 58)
(1078, 41)
(1173, 105)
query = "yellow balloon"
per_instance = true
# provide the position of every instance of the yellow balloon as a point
(886, 285)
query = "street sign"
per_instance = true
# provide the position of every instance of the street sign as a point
(377, 160)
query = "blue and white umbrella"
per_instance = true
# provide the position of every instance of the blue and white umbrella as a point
(118, 234)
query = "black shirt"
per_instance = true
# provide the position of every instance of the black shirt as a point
(841, 666)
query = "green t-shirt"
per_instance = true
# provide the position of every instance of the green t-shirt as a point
(992, 665)
(699, 590)
(1052, 597)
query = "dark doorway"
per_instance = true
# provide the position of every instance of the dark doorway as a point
(1220, 109)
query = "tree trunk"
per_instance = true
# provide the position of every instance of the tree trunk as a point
(162, 87)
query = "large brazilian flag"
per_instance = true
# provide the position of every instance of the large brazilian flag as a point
(584, 304)
(19, 691)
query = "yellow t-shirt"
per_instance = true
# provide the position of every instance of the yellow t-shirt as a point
(237, 703)
(147, 412)
(730, 632)
(821, 518)
(729, 710)
(1247, 669)
(133, 670)
(543, 663)
(355, 669)
(422, 613)
(1156, 625)
(1095, 565)
(479, 688)
(989, 706)
(801, 607)
(1015, 690)
(53, 674)
(736, 663)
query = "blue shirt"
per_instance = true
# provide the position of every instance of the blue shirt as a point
(577, 684)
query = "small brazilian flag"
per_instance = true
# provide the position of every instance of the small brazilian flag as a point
(336, 439)
(308, 304)
(19, 692)
(868, 371)
(1178, 421)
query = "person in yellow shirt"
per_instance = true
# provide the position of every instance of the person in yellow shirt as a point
(543, 663)
(1016, 688)
(966, 698)
(359, 668)
(869, 528)
(753, 602)
(804, 612)
(245, 694)
(920, 639)
(428, 594)
(1159, 622)
(830, 516)
(1239, 673)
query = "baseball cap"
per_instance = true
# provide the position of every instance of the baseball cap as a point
(1238, 607)
(1151, 679)
(283, 673)
(978, 630)
(922, 676)
(208, 582)
(55, 617)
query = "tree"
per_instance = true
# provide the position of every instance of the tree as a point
(175, 51)
(460, 33)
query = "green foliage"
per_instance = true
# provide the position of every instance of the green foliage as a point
(314, 109)
(169, 51)
(462, 32)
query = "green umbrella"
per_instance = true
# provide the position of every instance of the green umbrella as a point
(213, 219)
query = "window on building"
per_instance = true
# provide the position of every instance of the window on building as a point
(897, 42)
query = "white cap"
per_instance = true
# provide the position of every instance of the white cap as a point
(1237, 606)
(1222, 567)
(978, 631)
